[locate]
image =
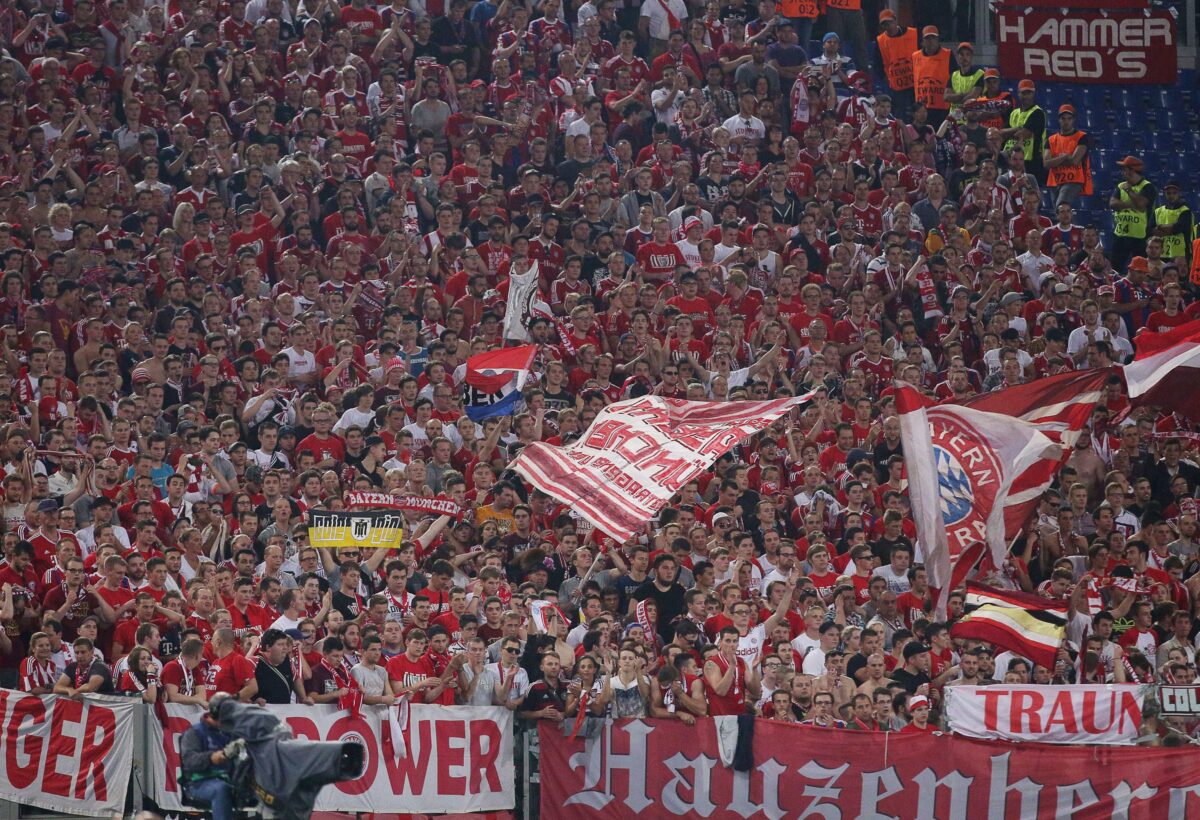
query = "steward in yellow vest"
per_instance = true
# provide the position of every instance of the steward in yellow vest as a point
(1132, 205)
(1174, 223)
(966, 83)
(1027, 130)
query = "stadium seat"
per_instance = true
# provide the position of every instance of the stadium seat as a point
(1161, 141)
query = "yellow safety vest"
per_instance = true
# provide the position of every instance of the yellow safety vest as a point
(1174, 244)
(1017, 119)
(962, 83)
(1131, 222)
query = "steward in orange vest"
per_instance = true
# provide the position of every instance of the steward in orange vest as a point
(931, 75)
(1066, 155)
(896, 46)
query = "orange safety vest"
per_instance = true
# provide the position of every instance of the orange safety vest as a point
(796, 9)
(844, 5)
(1195, 274)
(931, 75)
(897, 58)
(1063, 145)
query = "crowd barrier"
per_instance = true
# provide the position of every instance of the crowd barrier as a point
(111, 755)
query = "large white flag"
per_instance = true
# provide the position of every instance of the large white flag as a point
(961, 464)
(523, 302)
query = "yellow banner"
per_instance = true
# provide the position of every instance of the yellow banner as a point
(367, 530)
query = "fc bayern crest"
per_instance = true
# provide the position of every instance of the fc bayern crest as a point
(969, 477)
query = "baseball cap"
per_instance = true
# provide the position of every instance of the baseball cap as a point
(1010, 297)
(693, 222)
(914, 648)
(1172, 183)
(1066, 108)
(47, 505)
(887, 15)
(917, 701)
(720, 517)
(1062, 287)
(991, 74)
(964, 44)
(930, 31)
(1139, 263)
(1106, 290)
(1132, 162)
(1026, 85)
(830, 35)
(294, 634)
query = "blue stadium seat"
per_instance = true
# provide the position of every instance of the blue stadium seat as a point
(1171, 120)
(1169, 98)
(1162, 141)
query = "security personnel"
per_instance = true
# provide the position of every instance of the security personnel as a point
(1174, 223)
(994, 103)
(966, 82)
(1132, 204)
(1027, 130)
(896, 46)
(1066, 157)
(931, 75)
(801, 15)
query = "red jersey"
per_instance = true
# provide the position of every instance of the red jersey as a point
(228, 674)
(733, 702)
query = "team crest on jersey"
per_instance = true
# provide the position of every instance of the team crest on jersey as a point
(968, 474)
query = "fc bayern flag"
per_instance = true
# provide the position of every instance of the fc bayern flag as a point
(1166, 370)
(961, 465)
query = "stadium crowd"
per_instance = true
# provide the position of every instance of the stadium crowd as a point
(247, 247)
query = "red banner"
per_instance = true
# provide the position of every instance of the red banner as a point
(1076, 5)
(1106, 713)
(661, 768)
(1087, 47)
(66, 755)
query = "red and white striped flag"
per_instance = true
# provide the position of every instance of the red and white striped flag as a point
(961, 464)
(638, 453)
(1028, 625)
(1060, 407)
(1166, 370)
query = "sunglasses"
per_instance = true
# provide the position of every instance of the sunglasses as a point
(512, 651)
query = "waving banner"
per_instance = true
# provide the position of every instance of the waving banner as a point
(332, 530)
(66, 755)
(452, 758)
(638, 769)
(638, 453)
(1108, 714)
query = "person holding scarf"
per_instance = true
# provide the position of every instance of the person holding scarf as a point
(87, 675)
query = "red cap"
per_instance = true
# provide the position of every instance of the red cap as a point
(887, 15)
(930, 31)
(1139, 263)
(1026, 85)
(991, 74)
(966, 45)
(1132, 162)
(1066, 108)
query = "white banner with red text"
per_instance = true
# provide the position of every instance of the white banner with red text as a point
(1104, 713)
(640, 769)
(66, 755)
(453, 759)
(638, 453)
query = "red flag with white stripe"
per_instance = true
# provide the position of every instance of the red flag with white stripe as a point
(1060, 407)
(1166, 370)
(961, 464)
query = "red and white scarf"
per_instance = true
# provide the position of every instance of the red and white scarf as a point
(928, 291)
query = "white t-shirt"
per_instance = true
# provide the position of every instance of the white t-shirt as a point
(1078, 339)
(750, 645)
(300, 364)
(750, 129)
(660, 23)
(354, 418)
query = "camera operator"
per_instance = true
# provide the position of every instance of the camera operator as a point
(207, 754)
